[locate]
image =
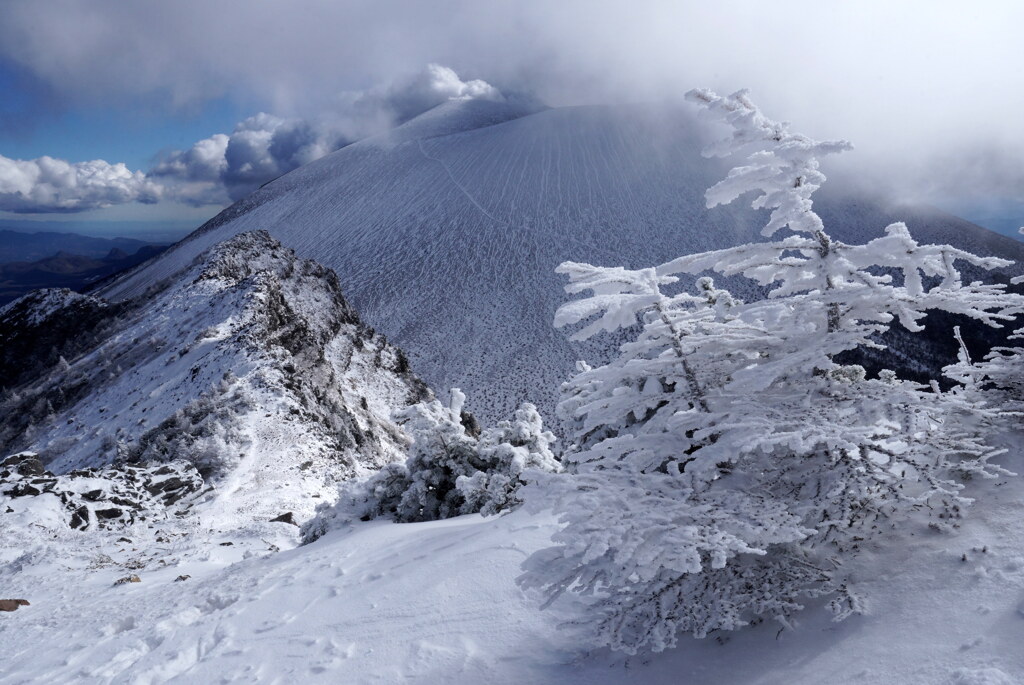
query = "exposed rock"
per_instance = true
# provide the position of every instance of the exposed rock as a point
(180, 579)
(286, 517)
(128, 579)
(24, 463)
(105, 497)
(13, 604)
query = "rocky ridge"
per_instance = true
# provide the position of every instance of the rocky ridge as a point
(246, 383)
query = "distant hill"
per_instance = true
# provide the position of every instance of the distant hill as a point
(68, 270)
(19, 246)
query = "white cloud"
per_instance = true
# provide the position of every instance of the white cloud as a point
(54, 185)
(204, 161)
(263, 147)
(226, 167)
(410, 96)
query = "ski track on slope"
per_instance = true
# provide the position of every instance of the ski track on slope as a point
(419, 143)
(521, 233)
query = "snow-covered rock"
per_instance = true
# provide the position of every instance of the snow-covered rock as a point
(249, 365)
(111, 497)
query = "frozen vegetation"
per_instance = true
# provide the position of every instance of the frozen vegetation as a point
(726, 465)
(214, 471)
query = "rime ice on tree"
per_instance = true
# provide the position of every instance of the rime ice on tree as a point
(449, 471)
(725, 463)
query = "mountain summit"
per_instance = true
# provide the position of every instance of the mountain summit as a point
(446, 231)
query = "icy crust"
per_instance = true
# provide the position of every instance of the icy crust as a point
(446, 239)
(250, 365)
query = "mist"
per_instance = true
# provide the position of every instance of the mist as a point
(930, 93)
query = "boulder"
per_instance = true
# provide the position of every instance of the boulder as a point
(12, 604)
(287, 517)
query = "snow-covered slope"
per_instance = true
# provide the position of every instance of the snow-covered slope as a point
(436, 603)
(249, 364)
(188, 583)
(445, 232)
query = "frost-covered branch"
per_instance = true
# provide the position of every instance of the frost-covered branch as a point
(724, 463)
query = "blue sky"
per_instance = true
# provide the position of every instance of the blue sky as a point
(930, 91)
(38, 123)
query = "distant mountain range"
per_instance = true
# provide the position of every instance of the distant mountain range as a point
(66, 269)
(146, 231)
(20, 246)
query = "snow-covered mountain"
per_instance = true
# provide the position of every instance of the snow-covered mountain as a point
(185, 424)
(249, 365)
(446, 231)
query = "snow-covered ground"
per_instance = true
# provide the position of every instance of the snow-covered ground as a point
(436, 602)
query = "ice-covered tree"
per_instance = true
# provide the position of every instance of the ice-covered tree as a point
(725, 462)
(423, 488)
(504, 456)
(996, 381)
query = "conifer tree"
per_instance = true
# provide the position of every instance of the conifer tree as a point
(725, 463)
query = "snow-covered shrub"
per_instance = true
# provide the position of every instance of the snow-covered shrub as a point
(503, 454)
(996, 382)
(990, 392)
(724, 463)
(424, 487)
(205, 433)
(448, 471)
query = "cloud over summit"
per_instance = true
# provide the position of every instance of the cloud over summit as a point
(226, 167)
(910, 83)
(263, 147)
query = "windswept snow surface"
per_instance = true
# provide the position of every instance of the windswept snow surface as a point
(446, 231)
(436, 602)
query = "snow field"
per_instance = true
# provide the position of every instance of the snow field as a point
(436, 602)
(445, 232)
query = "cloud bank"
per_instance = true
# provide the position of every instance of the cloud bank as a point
(261, 148)
(227, 167)
(911, 83)
(53, 185)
